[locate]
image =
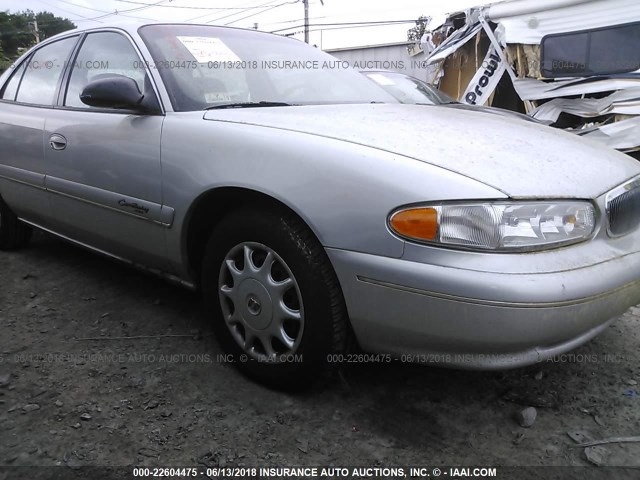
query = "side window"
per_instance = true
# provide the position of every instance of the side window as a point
(11, 87)
(601, 51)
(103, 55)
(43, 71)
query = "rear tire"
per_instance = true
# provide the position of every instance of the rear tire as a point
(274, 298)
(13, 233)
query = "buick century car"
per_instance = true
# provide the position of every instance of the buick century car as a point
(311, 208)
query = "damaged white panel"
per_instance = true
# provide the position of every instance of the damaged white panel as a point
(531, 89)
(622, 135)
(527, 21)
(518, 25)
(485, 80)
(453, 43)
(621, 102)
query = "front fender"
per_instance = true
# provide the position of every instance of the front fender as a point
(342, 190)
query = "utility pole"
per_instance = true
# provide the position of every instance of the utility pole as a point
(35, 31)
(306, 19)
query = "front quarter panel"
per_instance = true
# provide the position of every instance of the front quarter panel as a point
(342, 190)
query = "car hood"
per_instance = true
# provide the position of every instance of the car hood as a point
(521, 159)
(492, 110)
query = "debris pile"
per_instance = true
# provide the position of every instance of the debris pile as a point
(573, 64)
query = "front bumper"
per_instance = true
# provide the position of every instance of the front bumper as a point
(469, 318)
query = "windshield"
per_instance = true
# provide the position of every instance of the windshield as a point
(206, 66)
(407, 89)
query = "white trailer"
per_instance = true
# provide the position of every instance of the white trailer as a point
(574, 64)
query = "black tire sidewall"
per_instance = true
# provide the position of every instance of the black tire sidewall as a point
(13, 233)
(279, 232)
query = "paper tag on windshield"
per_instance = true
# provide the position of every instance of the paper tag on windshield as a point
(207, 49)
(216, 97)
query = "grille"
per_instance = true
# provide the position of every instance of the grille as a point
(623, 208)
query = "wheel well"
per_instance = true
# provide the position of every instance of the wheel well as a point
(210, 208)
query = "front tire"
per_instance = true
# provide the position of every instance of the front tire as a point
(274, 298)
(13, 233)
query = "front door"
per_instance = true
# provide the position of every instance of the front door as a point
(25, 100)
(103, 165)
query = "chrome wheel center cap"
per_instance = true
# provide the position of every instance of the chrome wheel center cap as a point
(253, 305)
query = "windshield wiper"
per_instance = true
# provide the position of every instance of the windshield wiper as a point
(248, 105)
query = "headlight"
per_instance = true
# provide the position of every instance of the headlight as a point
(503, 226)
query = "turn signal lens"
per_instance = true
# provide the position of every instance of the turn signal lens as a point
(418, 223)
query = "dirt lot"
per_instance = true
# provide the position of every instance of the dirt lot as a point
(74, 392)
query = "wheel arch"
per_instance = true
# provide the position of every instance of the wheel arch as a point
(210, 207)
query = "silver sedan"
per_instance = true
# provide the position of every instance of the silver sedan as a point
(311, 208)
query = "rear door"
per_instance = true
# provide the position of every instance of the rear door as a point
(103, 165)
(26, 99)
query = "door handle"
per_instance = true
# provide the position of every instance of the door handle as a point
(57, 142)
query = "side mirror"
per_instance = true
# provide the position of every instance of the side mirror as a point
(113, 92)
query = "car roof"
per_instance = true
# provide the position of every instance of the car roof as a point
(131, 27)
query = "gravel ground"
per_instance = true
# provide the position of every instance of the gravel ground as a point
(75, 391)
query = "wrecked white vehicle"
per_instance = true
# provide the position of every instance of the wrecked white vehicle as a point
(574, 64)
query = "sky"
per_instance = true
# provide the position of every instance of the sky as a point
(284, 16)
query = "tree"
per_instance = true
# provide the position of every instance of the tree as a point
(16, 30)
(414, 34)
(14, 34)
(50, 25)
(4, 61)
